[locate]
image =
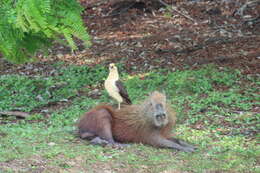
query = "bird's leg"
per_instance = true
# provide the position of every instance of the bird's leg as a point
(119, 105)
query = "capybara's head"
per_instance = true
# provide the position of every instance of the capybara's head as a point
(156, 109)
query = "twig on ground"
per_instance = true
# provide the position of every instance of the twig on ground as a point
(121, 11)
(218, 40)
(15, 113)
(241, 10)
(171, 8)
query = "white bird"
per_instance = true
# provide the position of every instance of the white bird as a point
(115, 87)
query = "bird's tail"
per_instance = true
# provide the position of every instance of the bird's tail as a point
(127, 100)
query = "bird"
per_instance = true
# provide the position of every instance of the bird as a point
(115, 87)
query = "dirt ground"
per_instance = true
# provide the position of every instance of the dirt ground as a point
(144, 35)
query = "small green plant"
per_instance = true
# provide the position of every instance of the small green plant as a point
(27, 26)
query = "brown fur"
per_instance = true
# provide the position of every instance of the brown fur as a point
(129, 125)
(96, 122)
(132, 123)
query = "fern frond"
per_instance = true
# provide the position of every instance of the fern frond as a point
(27, 26)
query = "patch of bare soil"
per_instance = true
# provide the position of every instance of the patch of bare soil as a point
(33, 164)
(38, 164)
(143, 35)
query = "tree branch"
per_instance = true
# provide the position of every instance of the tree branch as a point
(15, 113)
(171, 8)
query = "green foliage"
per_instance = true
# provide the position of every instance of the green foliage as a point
(200, 81)
(180, 83)
(29, 25)
(26, 93)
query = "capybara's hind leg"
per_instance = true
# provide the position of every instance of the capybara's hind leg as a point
(99, 141)
(87, 135)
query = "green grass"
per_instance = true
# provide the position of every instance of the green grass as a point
(27, 93)
(214, 108)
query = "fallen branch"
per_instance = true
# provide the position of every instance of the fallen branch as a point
(185, 50)
(15, 113)
(241, 10)
(210, 41)
(171, 8)
(221, 59)
(253, 21)
(114, 13)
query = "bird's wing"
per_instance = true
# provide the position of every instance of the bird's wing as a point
(123, 92)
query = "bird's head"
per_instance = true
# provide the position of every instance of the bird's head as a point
(112, 67)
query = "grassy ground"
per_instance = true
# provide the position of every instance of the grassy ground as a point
(217, 111)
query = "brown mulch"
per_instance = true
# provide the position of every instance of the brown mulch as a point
(143, 35)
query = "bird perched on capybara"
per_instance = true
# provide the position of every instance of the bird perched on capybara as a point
(149, 122)
(115, 87)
